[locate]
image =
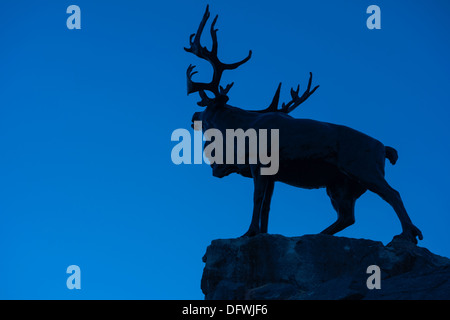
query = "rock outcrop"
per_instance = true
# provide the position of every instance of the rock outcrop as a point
(321, 267)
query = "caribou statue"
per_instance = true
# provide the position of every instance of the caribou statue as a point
(312, 154)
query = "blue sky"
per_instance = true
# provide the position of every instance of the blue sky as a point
(86, 118)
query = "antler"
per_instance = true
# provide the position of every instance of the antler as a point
(211, 56)
(294, 103)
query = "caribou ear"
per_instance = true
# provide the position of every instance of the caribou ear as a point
(195, 119)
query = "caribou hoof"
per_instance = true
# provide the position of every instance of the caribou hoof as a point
(250, 233)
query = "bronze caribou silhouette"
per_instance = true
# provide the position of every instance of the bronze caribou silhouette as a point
(312, 154)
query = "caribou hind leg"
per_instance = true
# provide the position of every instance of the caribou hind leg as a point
(391, 196)
(343, 197)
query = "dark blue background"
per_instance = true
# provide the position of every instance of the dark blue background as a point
(86, 117)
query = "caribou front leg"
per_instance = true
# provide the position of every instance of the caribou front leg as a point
(263, 187)
(266, 206)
